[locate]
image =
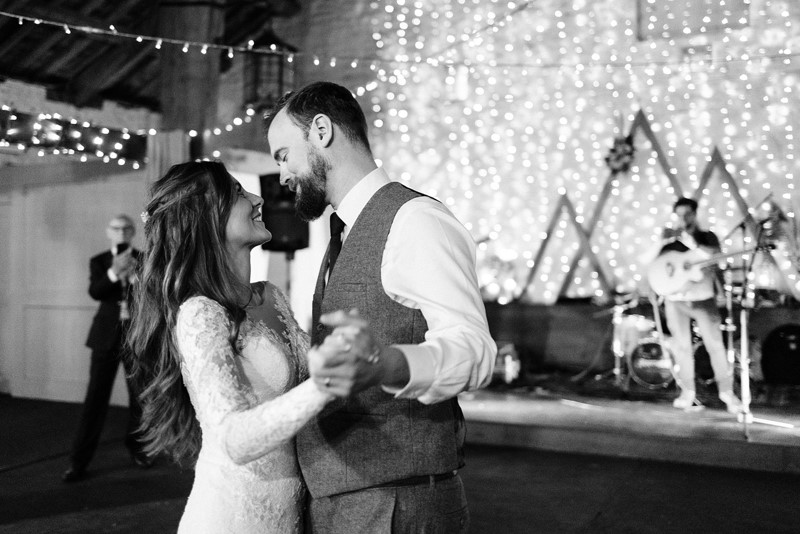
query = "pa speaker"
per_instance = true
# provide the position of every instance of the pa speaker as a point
(780, 355)
(289, 232)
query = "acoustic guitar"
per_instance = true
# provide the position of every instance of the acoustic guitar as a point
(671, 271)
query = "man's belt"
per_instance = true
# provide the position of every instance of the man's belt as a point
(418, 480)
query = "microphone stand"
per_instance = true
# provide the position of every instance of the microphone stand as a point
(743, 221)
(730, 327)
(747, 303)
(289, 259)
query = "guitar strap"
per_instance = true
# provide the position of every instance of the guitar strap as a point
(674, 246)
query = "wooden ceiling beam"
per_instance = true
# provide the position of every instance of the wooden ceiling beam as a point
(80, 45)
(105, 68)
(150, 84)
(272, 8)
(10, 6)
(189, 81)
(77, 47)
(37, 53)
(20, 33)
(249, 27)
(56, 13)
(117, 64)
(9, 44)
(141, 23)
(80, 66)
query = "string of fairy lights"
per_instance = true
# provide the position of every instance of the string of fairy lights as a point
(43, 131)
(52, 133)
(156, 41)
(508, 120)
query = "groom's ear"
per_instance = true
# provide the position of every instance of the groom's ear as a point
(321, 130)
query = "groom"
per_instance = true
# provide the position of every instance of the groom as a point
(385, 458)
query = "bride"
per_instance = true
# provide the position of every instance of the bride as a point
(221, 362)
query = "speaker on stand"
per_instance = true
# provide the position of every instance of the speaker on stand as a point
(289, 232)
(776, 333)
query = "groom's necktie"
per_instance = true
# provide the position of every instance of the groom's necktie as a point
(337, 226)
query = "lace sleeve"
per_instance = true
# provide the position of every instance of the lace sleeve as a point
(222, 398)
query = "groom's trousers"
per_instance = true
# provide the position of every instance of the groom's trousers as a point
(438, 506)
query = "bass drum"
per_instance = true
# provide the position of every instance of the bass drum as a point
(780, 355)
(651, 364)
(630, 331)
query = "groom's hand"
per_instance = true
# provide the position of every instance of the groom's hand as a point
(351, 359)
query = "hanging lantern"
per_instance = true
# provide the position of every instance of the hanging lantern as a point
(267, 75)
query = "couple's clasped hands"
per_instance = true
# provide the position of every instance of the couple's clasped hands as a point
(350, 359)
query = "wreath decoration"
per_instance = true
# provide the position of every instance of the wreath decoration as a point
(620, 156)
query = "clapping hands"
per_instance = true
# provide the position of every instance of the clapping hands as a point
(124, 265)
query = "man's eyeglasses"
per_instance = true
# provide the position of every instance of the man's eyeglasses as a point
(126, 228)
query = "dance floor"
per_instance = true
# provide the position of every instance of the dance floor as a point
(547, 458)
(594, 416)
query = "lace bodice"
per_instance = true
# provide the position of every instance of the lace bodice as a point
(250, 403)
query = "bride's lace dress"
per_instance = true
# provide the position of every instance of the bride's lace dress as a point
(249, 406)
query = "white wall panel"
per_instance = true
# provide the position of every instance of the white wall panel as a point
(53, 220)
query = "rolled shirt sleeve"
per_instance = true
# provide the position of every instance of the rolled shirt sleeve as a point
(429, 264)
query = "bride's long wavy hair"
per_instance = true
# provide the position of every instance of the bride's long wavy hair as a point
(184, 255)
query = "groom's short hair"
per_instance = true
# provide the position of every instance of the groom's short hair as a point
(328, 98)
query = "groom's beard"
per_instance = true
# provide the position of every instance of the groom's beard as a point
(311, 199)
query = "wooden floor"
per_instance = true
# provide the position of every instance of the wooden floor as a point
(545, 460)
(597, 418)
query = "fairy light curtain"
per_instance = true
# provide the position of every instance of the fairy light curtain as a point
(502, 109)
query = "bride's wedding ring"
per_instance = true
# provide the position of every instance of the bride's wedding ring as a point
(327, 381)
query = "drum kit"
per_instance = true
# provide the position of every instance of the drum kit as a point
(640, 353)
(644, 355)
(641, 348)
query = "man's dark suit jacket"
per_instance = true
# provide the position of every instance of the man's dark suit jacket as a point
(106, 328)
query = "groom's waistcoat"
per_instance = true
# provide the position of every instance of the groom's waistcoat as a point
(373, 438)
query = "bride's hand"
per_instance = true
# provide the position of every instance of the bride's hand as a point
(348, 361)
(318, 355)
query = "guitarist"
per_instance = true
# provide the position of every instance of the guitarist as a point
(696, 300)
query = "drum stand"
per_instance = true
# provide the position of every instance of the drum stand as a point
(616, 344)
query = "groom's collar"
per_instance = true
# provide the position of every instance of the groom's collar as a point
(354, 201)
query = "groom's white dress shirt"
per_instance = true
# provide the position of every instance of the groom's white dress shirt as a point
(429, 264)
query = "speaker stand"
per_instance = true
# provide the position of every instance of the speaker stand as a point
(289, 259)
